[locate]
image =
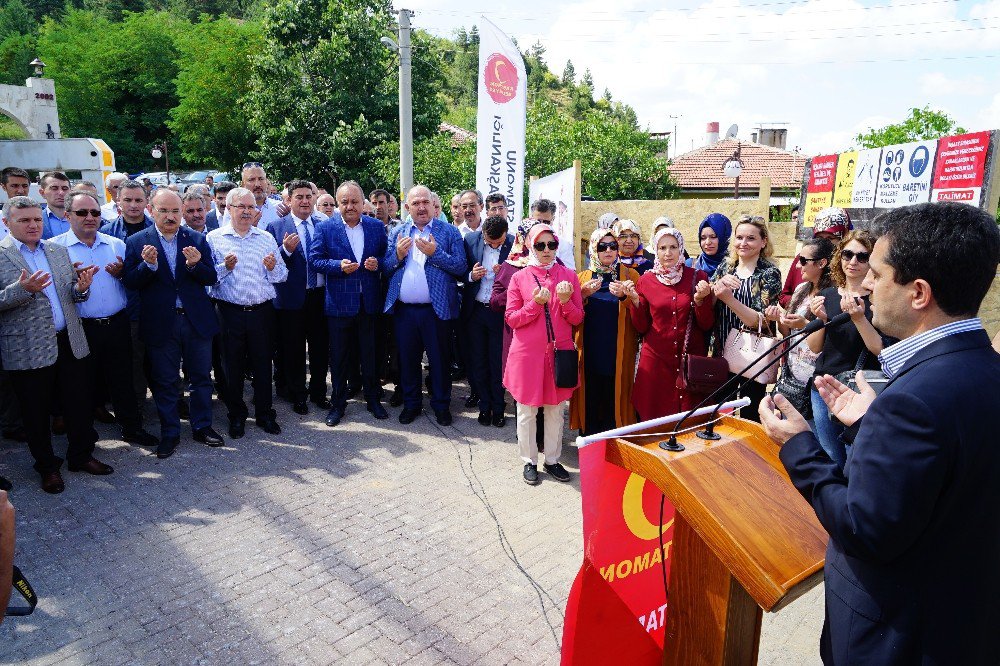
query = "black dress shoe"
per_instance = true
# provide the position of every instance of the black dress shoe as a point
(322, 403)
(208, 436)
(166, 448)
(377, 410)
(58, 426)
(409, 415)
(443, 417)
(93, 466)
(395, 400)
(5, 484)
(334, 416)
(141, 438)
(102, 415)
(270, 426)
(352, 391)
(301, 407)
(17, 435)
(183, 411)
(237, 429)
(472, 401)
(499, 420)
(52, 482)
(485, 418)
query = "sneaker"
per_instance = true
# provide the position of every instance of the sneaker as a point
(531, 474)
(557, 472)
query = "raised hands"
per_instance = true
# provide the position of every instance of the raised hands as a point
(428, 245)
(35, 282)
(564, 290)
(149, 254)
(371, 264)
(590, 287)
(269, 261)
(541, 295)
(191, 255)
(348, 266)
(114, 269)
(478, 271)
(85, 277)
(290, 242)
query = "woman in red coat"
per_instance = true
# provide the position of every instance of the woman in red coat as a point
(662, 315)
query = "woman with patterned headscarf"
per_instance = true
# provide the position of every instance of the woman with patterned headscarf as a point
(630, 251)
(543, 291)
(606, 341)
(671, 297)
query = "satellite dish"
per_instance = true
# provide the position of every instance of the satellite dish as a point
(731, 132)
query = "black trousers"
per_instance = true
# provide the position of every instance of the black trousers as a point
(67, 381)
(755, 391)
(484, 343)
(359, 330)
(600, 403)
(110, 342)
(247, 338)
(298, 330)
(419, 330)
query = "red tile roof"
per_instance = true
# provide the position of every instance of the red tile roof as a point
(459, 135)
(702, 168)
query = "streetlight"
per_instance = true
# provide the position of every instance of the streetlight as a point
(404, 50)
(733, 168)
(39, 67)
(160, 150)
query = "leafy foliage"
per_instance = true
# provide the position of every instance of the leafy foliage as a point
(922, 124)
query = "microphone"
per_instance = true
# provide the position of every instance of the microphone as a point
(709, 431)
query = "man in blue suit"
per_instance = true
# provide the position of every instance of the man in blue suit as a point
(485, 249)
(300, 304)
(914, 518)
(170, 266)
(424, 261)
(347, 249)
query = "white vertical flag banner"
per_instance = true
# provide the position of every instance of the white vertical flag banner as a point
(503, 102)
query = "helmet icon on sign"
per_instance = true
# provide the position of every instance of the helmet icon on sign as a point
(919, 160)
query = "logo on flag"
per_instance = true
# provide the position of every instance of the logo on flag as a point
(500, 77)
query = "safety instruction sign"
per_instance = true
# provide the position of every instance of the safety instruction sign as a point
(843, 193)
(905, 174)
(960, 168)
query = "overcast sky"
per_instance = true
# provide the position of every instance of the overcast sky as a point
(827, 68)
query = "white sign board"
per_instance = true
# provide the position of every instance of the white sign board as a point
(560, 188)
(866, 178)
(905, 174)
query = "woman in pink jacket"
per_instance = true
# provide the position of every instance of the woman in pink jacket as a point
(530, 371)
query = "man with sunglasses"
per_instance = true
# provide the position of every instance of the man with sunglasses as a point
(43, 347)
(104, 315)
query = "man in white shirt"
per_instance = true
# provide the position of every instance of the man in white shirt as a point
(110, 211)
(470, 210)
(254, 178)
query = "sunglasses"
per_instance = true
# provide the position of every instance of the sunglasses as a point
(805, 260)
(862, 257)
(604, 247)
(253, 165)
(84, 212)
(541, 245)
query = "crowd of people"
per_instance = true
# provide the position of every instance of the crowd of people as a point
(198, 293)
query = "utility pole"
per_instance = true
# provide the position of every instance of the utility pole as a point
(405, 103)
(675, 132)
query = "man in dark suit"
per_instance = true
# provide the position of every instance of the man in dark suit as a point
(214, 217)
(347, 249)
(485, 249)
(299, 304)
(911, 568)
(170, 266)
(424, 261)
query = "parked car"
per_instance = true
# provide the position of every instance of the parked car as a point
(158, 178)
(195, 178)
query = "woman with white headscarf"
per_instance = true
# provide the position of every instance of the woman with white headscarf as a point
(544, 285)
(670, 299)
(606, 340)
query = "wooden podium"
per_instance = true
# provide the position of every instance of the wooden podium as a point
(744, 539)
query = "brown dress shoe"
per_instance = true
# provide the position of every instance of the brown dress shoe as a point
(52, 482)
(93, 466)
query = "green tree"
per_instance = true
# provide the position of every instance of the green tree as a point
(922, 124)
(15, 19)
(441, 166)
(213, 80)
(569, 74)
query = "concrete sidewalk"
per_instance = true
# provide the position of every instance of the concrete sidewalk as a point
(368, 543)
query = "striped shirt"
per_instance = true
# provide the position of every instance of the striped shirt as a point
(894, 357)
(249, 283)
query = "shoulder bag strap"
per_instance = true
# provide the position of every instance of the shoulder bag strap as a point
(549, 330)
(690, 324)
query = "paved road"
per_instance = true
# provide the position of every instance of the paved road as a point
(368, 543)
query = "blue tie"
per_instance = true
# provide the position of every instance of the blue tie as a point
(310, 274)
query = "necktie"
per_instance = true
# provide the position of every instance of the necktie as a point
(310, 274)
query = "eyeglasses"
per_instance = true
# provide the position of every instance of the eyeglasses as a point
(805, 260)
(627, 237)
(253, 165)
(242, 206)
(84, 212)
(604, 247)
(541, 245)
(862, 257)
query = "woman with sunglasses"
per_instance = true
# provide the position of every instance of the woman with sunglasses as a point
(844, 349)
(606, 341)
(630, 251)
(668, 303)
(744, 286)
(543, 287)
(797, 370)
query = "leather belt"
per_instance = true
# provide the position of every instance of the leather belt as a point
(179, 311)
(244, 308)
(101, 321)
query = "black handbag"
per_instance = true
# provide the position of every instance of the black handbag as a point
(567, 361)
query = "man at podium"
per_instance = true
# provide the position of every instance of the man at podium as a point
(913, 564)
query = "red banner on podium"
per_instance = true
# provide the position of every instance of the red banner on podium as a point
(617, 607)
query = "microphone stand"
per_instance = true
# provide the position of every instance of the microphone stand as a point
(709, 432)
